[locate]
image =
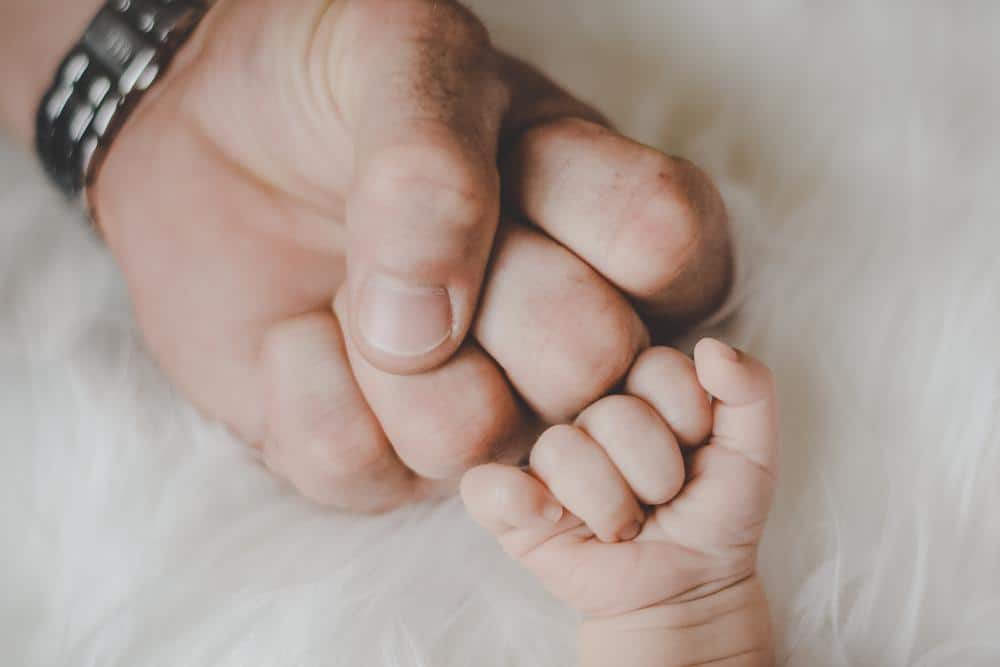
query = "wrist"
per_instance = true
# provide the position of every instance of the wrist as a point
(730, 627)
(34, 37)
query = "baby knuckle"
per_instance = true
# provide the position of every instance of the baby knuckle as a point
(610, 408)
(669, 378)
(656, 364)
(555, 447)
(692, 418)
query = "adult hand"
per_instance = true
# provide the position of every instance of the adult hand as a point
(360, 146)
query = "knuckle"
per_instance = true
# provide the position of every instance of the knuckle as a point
(458, 25)
(693, 421)
(548, 449)
(665, 360)
(447, 440)
(667, 364)
(434, 180)
(616, 407)
(659, 231)
(669, 378)
(555, 447)
(332, 440)
(338, 447)
(597, 358)
(569, 129)
(324, 428)
(446, 451)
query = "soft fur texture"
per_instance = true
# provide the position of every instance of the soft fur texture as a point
(859, 150)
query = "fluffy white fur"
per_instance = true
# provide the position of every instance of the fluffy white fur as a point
(859, 149)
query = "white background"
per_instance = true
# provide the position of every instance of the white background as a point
(858, 146)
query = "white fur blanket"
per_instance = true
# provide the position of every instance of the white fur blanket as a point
(859, 148)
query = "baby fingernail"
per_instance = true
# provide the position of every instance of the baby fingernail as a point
(553, 512)
(728, 351)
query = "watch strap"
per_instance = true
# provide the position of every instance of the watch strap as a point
(126, 48)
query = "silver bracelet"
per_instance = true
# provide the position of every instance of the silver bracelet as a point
(126, 48)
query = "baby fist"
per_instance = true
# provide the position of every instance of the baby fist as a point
(653, 501)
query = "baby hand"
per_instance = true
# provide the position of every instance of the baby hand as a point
(646, 514)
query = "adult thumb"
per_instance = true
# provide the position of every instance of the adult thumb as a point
(425, 108)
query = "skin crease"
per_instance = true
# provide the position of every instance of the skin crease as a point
(682, 586)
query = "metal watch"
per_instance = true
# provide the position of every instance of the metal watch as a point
(124, 51)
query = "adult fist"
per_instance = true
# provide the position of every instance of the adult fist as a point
(360, 146)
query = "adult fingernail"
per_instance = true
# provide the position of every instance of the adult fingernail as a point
(404, 320)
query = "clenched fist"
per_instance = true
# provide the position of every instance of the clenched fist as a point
(383, 251)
